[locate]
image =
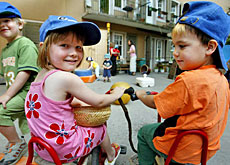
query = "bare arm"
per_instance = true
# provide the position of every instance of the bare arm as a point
(146, 99)
(18, 83)
(75, 86)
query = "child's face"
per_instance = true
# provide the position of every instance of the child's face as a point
(66, 54)
(189, 52)
(10, 28)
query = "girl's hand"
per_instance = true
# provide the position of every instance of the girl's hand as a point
(119, 91)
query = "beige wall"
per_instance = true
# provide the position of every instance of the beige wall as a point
(41, 9)
(97, 51)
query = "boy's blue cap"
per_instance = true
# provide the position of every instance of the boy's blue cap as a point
(89, 29)
(116, 46)
(211, 19)
(107, 56)
(8, 11)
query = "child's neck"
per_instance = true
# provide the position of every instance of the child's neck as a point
(9, 40)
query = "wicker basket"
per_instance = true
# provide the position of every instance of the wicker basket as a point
(89, 116)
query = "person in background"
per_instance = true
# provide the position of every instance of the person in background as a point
(93, 66)
(19, 68)
(107, 65)
(114, 54)
(133, 58)
(50, 102)
(199, 97)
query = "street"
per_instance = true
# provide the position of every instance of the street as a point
(140, 115)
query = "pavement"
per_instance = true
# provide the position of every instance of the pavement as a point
(140, 115)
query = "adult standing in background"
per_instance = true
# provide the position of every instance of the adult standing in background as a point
(133, 57)
(114, 54)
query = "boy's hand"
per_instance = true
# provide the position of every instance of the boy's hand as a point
(4, 99)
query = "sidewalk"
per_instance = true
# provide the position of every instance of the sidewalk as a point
(139, 115)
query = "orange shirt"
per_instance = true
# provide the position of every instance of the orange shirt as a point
(201, 98)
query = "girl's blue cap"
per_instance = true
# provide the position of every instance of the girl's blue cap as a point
(211, 19)
(89, 29)
(9, 11)
(116, 46)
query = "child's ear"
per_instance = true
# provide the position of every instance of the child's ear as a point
(40, 44)
(20, 25)
(212, 46)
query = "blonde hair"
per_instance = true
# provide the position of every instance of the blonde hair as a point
(53, 38)
(181, 29)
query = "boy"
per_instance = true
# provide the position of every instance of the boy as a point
(107, 65)
(19, 68)
(199, 97)
(93, 66)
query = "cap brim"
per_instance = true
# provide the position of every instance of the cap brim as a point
(222, 58)
(91, 31)
(8, 14)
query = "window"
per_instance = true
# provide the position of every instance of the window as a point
(104, 6)
(118, 40)
(161, 14)
(159, 57)
(174, 11)
(118, 3)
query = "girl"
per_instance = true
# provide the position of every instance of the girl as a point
(51, 98)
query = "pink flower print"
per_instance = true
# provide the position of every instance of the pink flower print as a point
(70, 156)
(58, 132)
(102, 136)
(32, 104)
(74, 127)
(89, 142)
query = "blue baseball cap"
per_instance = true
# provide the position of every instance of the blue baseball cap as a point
(8, 11)
(116, 46)
(107, 56)
(89, 29)
(211, 19)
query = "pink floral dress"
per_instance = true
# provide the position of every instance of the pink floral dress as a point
(54, 122)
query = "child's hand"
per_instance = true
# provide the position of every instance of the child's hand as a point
(4, 99)
(118, 90)
(140, 93)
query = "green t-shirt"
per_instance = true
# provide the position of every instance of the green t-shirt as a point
(19, 55)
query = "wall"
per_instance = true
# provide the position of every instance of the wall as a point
(39, 10)
(225, 4)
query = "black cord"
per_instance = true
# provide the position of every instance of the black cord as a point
(129, 124)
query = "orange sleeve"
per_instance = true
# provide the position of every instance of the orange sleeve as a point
(172, 100)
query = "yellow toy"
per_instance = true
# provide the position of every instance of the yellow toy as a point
(126, 97)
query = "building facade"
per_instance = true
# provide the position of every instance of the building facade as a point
(148, 23)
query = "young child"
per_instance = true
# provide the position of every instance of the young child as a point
(114, 54)
(199, 97)
(51, 98)
(93, 66)
(19, 68)
(107, 65)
